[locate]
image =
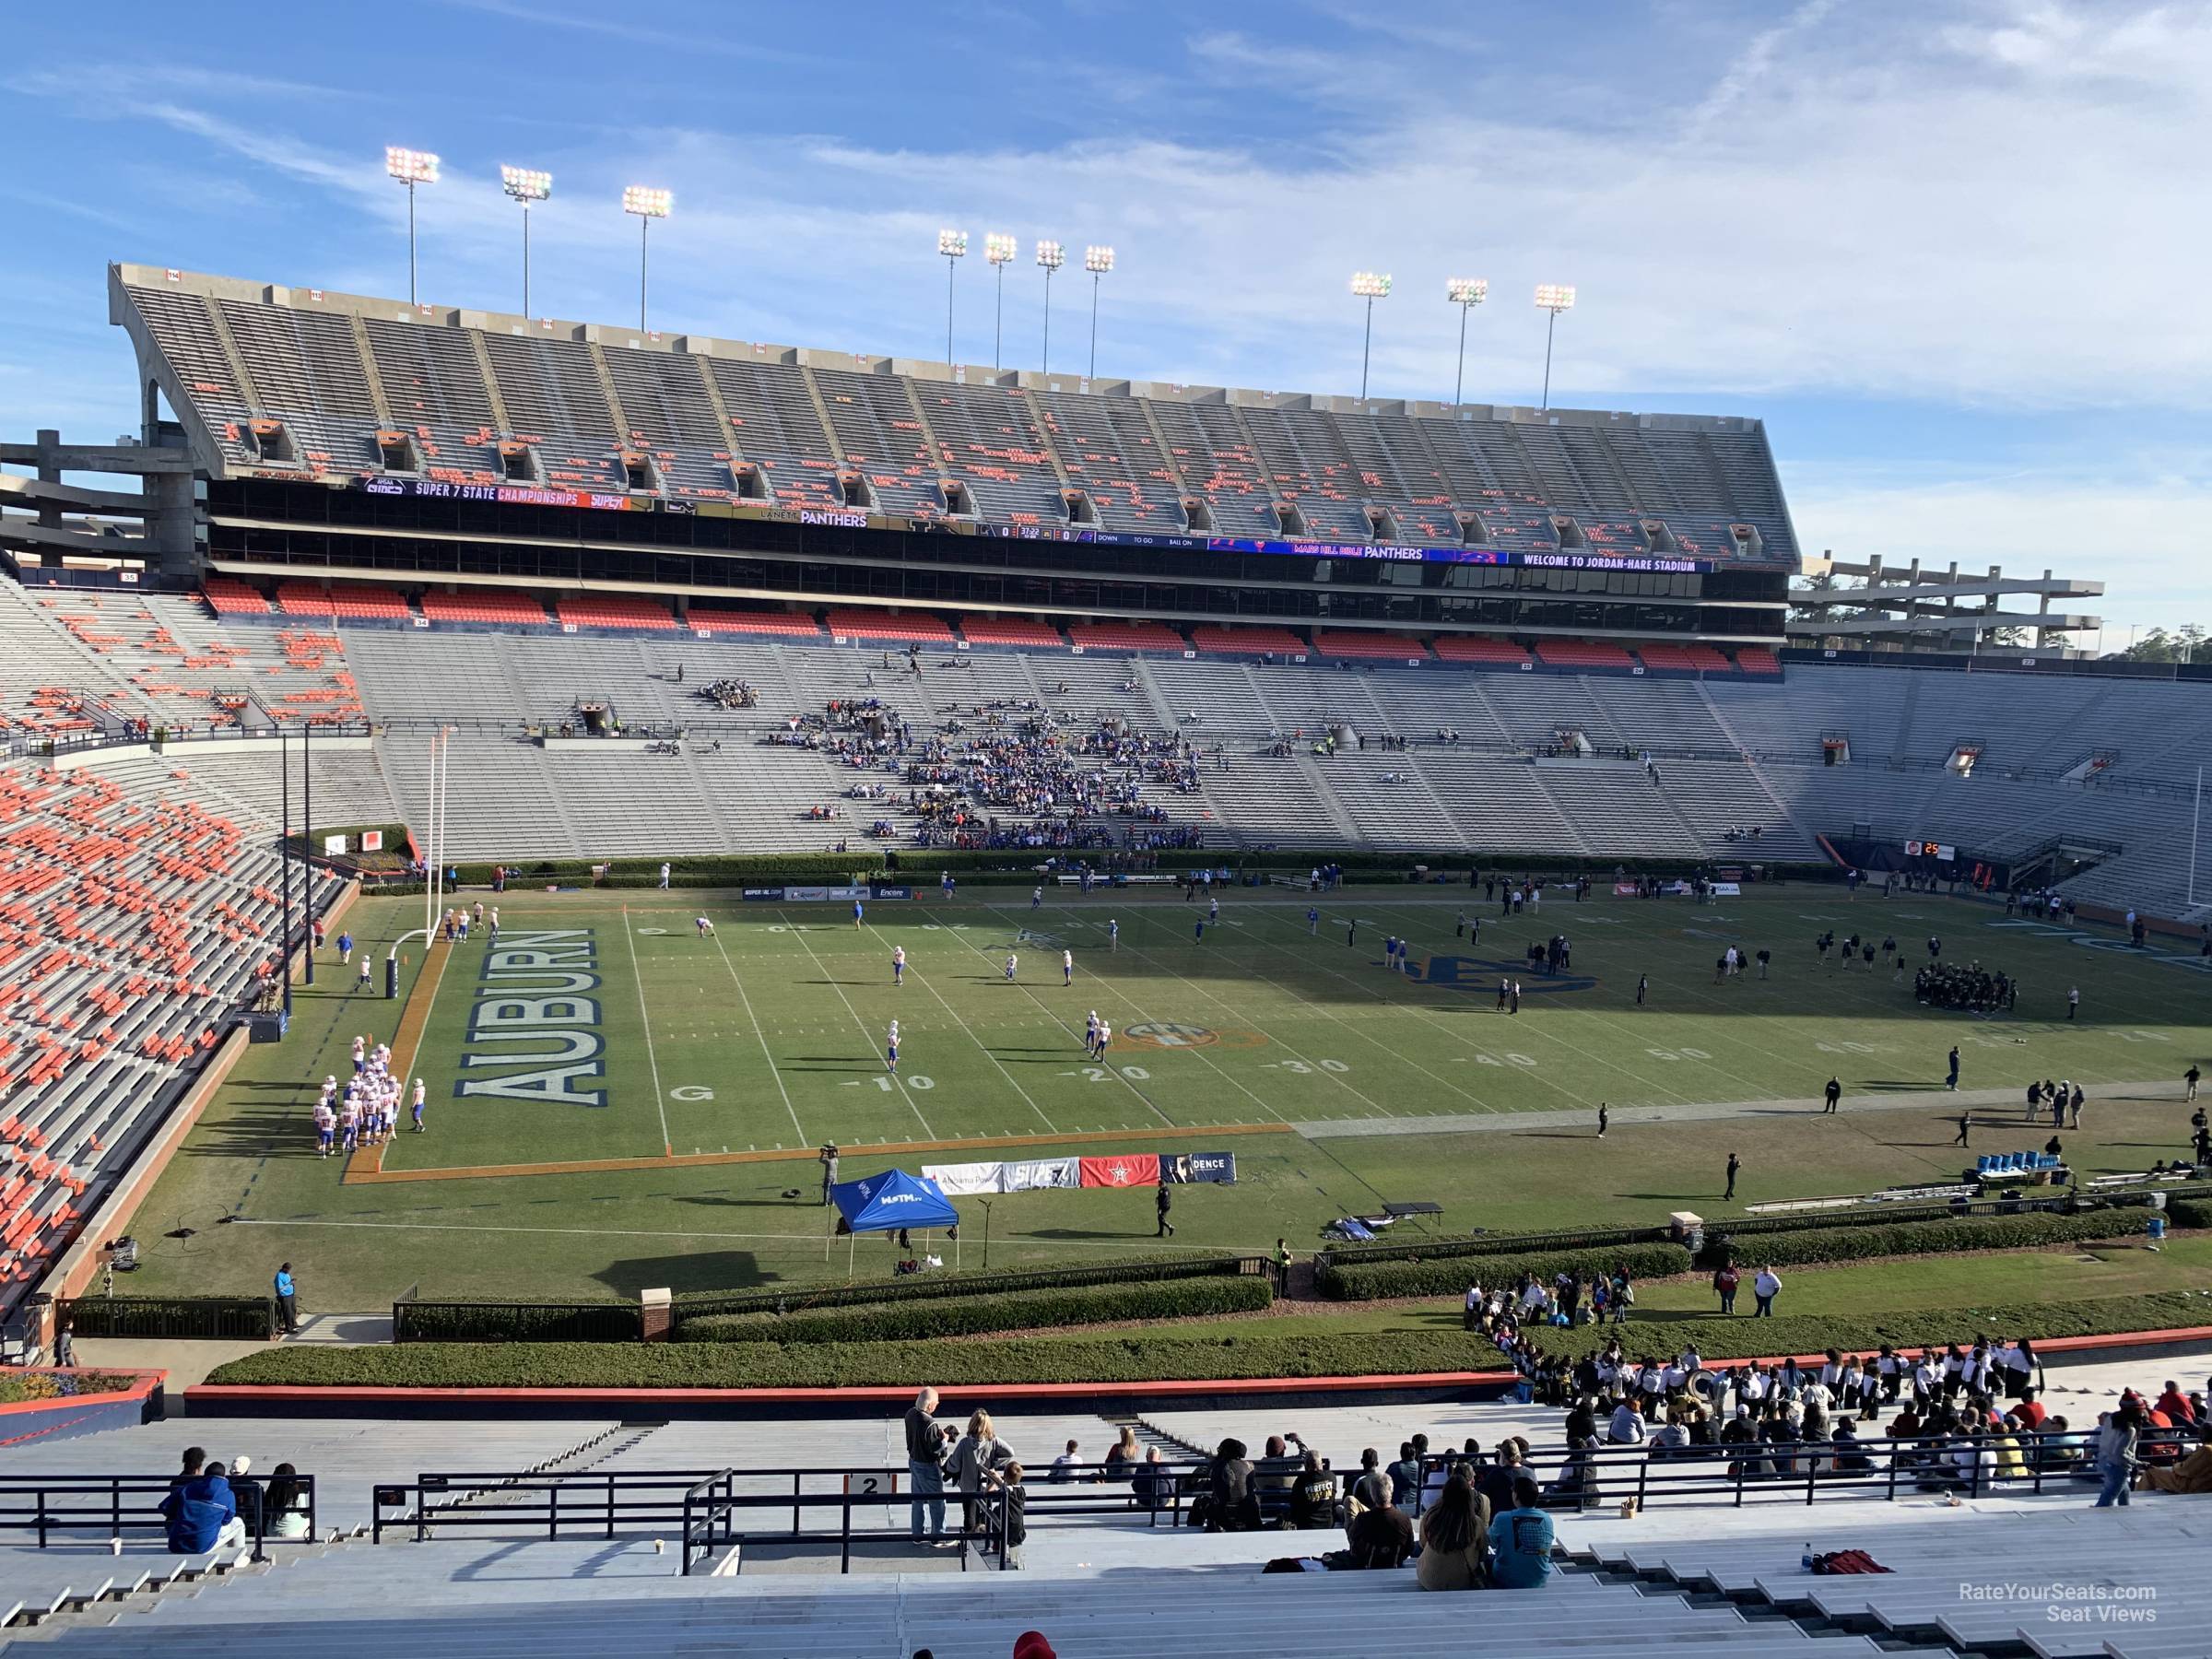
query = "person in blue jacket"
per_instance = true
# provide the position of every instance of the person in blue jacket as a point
(201, 1512)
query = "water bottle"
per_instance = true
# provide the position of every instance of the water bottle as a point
(1806, 1560)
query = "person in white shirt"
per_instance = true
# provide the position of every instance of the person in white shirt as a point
(1927, 1377)
(1011, 960)
(1765, 1288)
(1067, 967)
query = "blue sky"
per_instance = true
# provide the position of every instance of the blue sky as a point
(1950, 251)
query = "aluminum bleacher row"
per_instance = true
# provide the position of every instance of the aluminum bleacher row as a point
(352, 383)
(1099, 1577)
(1535, 758)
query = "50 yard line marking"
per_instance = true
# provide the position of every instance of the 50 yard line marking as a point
(645, 1016)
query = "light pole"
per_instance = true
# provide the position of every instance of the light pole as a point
(1371, 287)
(648, 205)
(1052, 256)
(526, 185)
(999, 248)
(953, 244)
(410, 168)
(1098, 262)
(1466, 293)
(1554, 298)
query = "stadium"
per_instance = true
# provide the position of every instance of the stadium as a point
(535, 837)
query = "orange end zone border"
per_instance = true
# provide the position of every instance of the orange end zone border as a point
(366, 1167)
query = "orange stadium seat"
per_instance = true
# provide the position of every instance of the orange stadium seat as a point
(1011, 630)
(1476, 648)
(905, 627)
(1358, 642)
(1125, 636)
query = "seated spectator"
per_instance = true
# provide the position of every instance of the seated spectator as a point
(1495, 1481)
(1153, 1485)
(1313, 1496)
(1371, 1463)
(1063, 1466)
(285, 1504)
(199, 1510)
(1232, 1505)
(1123, 1455)
(1455, 1537)
(1521, 1542)
(1380, 1533)
(1849, 1459)
(2174, 1405)
(246, 1494)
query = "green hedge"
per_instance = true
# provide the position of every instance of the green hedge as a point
(1821, 1245)
(1366, 1281)
(924, 1286)
(2187, 1212)
(1132, 1356)
(974, 1315)
(1146, 1357)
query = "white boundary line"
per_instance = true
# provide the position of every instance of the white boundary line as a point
(645, 1015)
(829, 974)
(980, 1043)
(1113, 1071)
(759, 1036)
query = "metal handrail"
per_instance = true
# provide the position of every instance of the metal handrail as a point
(49, 1508)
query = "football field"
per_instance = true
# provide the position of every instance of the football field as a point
(617, 1098)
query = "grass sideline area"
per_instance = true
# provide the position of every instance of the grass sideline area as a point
(710, 1067)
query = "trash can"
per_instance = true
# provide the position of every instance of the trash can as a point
(2156, 1227)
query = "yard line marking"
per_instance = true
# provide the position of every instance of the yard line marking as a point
(1051, 1018)
(1327, 1012)
(823, 967)
(773, 1070)
(1116, 1071)
(979, 1042)
(1219, 1002)
(645, 1017)
(1535, 1027)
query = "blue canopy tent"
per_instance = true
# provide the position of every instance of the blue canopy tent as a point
(893, 1201)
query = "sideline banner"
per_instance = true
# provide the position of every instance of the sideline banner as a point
(1135, 1168)
(958, 1180)
(1043, 1172)
(1217, 1167)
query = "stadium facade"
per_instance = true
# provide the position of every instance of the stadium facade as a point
(347, 436)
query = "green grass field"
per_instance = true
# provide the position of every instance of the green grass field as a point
(601, 1030)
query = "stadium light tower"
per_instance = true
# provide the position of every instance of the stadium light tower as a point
(1466, 293)
(1098, 262)
(648, 205)
(953, 244)
(1000, 249)
(1052, 256)
(1371, 287)
(410, 168)
(526, 185)
(1554, 298)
